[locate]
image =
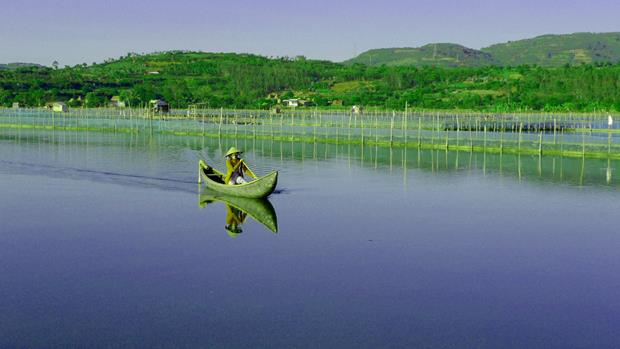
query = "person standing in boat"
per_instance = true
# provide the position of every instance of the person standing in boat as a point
(236, 167)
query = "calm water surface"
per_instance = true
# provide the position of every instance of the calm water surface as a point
(104, 243)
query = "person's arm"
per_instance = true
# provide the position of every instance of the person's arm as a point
(248, 171)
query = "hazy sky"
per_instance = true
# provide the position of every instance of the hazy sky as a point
(81, 31)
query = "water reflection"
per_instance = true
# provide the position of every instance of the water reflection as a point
(571, 170)
(238, 209)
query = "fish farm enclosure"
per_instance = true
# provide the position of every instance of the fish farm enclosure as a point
(579, 135)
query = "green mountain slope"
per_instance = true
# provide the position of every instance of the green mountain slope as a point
(546, 50)
(441, 54)
(557, 50)
(250, 81)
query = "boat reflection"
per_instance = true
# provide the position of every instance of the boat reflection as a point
(238, 209)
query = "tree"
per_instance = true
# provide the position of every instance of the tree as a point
(92, 100)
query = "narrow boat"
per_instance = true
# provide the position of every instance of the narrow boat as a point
(260, 209)
(256, 189)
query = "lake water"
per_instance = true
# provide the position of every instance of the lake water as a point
(106, 241)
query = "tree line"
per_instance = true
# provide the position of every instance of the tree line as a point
(250, 81)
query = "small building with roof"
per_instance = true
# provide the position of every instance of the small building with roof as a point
(117, 102)
(159, 106)
(296, 102)
(291, 103)
(59, 107)
(357, 109)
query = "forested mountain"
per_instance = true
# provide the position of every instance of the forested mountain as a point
(557, 50)
(546, 50)
(17, 65)
(442, 55)
(250, 81)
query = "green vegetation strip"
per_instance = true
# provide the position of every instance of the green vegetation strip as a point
(253, 82)
(423, 143)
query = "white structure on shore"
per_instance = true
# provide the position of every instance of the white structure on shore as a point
(60, 107)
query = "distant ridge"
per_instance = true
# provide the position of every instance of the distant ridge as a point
(545, 50)
(441, 54)
(11, 66)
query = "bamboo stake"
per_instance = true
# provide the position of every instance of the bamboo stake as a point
(583, 144)
(540, 149)
(501, 144)
(349, 128)
(271, 126)
(520, 135)
(610, 122)
(392, 129)
(405, 128)
(420, 130)
(458, 129)
(219, 131)
(447, 139)
(362, 128)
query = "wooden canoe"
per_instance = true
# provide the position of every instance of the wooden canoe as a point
(260, 210)
(256, 189)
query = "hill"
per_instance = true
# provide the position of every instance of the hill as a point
(10, 66)
(546, 50)
(183, 78)
(557, 50)
(249, 81)
(440, 54)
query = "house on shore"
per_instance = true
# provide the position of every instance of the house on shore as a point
(59, 107)
(117, 102)
(159, 106)
(296, 102)
(291, 103)
(16, 105)
(357, 109)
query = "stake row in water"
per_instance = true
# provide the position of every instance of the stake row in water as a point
(568, 135)
(577, 170)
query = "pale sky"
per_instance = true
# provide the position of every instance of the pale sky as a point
(80, 31)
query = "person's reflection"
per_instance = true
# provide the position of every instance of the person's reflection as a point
(234, 220)
(238, 209)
